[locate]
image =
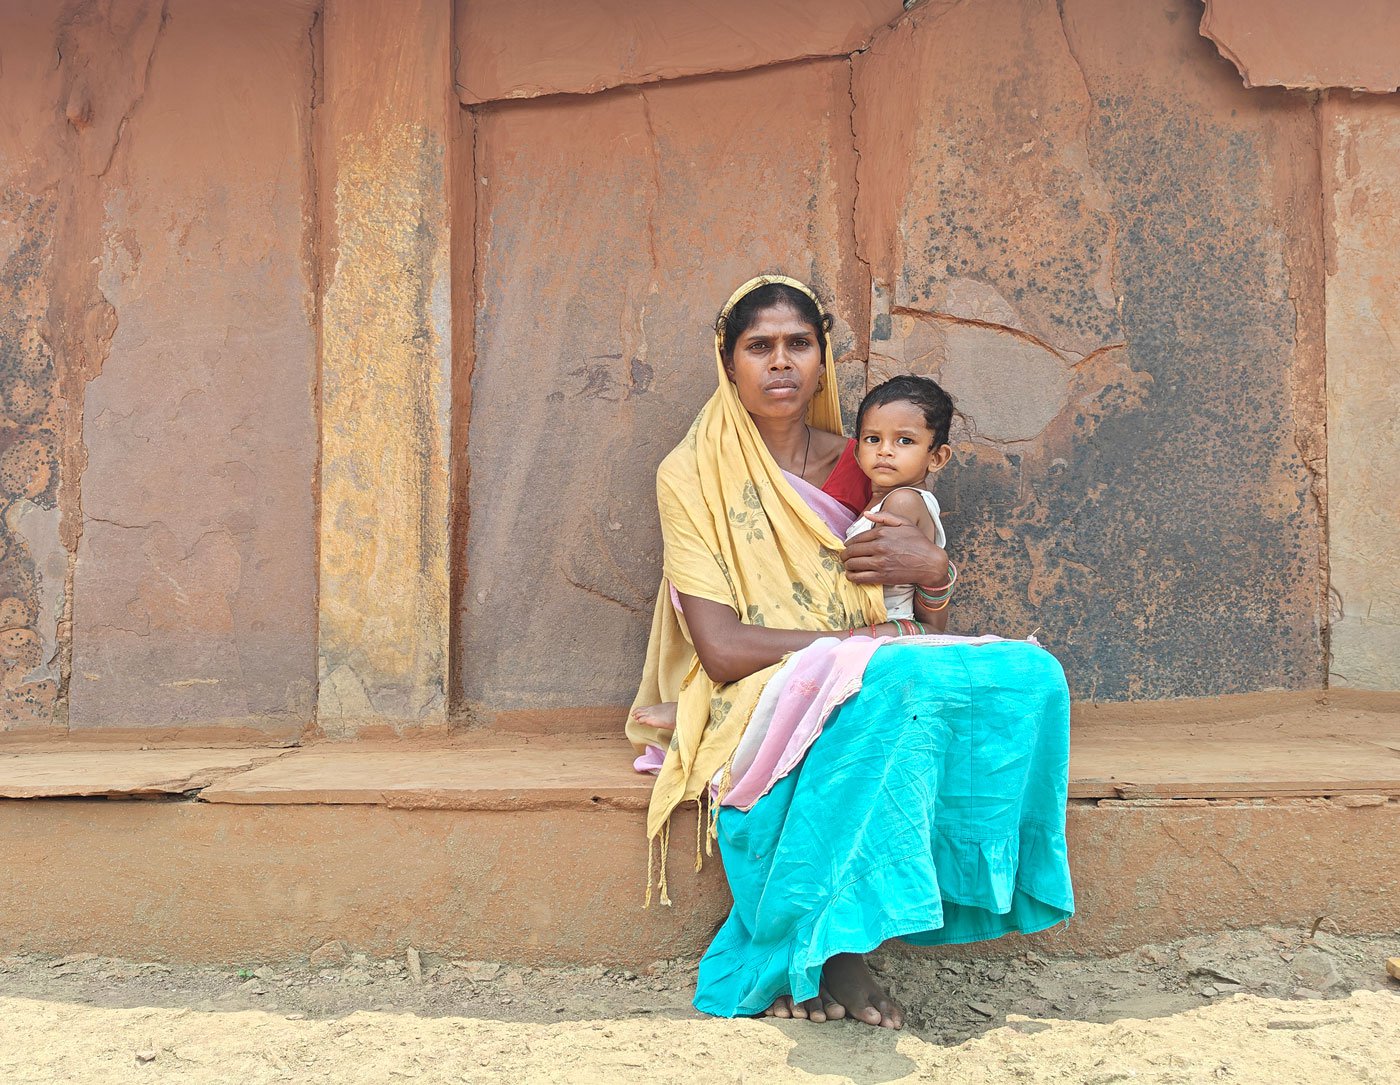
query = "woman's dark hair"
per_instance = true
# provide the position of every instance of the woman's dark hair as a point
(770, 296)
(923, 392)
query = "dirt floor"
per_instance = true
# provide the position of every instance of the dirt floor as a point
(1268, 1006)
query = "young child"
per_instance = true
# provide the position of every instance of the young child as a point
(901, 439)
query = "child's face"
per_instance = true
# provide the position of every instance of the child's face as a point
(895, 446)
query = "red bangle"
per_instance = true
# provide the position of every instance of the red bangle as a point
(931, 596)
(952, 579)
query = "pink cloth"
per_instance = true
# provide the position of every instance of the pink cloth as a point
(650, 760)
(823, 677)
(836, 515)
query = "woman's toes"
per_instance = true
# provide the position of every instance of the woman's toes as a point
(813, 1010)
(834, 1010)
(891, 1014)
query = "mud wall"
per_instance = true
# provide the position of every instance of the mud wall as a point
(338, 345)
(161, 366)
(33, 422)
(1299, 43)
(1104, 264)
(1111, 255)
(601, 257)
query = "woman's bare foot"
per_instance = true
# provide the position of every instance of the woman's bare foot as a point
(819, 1009)
(854, 987)
(657, 715)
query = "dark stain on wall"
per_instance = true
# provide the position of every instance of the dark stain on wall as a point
(1170, 547)
(28, 453)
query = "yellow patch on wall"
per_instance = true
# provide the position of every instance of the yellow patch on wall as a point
(385, 410)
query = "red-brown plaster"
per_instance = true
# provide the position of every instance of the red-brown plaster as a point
(71, 79)
(1351, 44)
(193, 588)
(610, 228)
(538, 47)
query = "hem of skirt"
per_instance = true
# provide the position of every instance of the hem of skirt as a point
(902, 929)
(991, 935)
(893, 930)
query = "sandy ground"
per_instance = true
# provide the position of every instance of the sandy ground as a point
(1251, 1007)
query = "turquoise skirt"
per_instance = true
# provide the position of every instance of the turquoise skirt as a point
(931, 808)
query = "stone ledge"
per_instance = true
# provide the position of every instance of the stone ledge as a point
(514, 776)
(1257, 746)
(93, 772)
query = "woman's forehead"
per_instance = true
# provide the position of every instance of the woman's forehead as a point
(780, 319)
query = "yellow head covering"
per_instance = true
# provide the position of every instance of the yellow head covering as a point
(737, 533)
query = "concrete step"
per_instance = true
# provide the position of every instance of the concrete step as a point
(1184, 818)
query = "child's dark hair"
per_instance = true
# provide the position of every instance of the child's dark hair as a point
(770, 296)
(923, 392)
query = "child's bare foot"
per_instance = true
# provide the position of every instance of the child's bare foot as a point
(854, 987)
(819, 1009)
(657, 715)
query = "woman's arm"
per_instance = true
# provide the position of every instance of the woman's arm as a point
(730, 649)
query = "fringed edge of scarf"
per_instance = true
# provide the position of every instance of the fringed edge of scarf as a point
(707, 805)
(662, 838)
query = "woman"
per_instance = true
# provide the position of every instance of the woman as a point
(925, 800)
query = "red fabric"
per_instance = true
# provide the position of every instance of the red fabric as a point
(847, 482)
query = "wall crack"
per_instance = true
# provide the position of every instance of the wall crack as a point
(1111, 220)
(861, 256)
(141, 92)
(655, 157)
(1071, 358)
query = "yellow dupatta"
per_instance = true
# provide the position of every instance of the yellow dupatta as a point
(735, 532)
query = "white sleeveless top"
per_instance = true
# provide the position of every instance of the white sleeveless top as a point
(899, 598)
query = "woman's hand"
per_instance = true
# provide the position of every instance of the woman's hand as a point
(894, 551)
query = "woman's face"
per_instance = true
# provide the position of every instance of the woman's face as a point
(777, 364)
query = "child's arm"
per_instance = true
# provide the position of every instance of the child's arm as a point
(908, 505)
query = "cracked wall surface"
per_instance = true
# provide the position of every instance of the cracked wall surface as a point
(193, 586)
(1304, 43)
(610, 229)
(528, 48)
(33, 561)
(1211, 489)
(1094, 255)
(1110, 256)
(336, 385)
